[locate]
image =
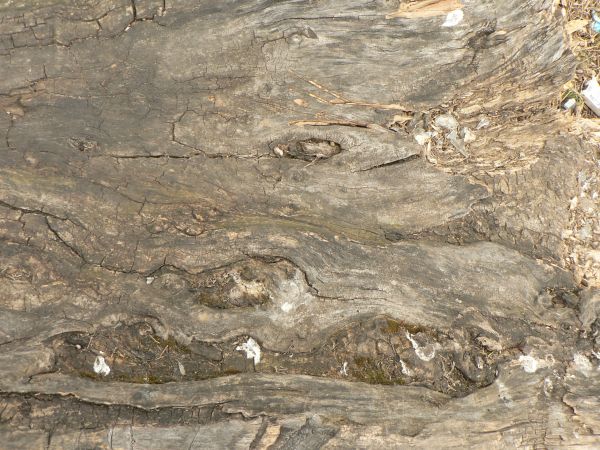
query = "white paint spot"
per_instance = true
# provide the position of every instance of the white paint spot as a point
(287, 307)
(149, 280)
(100, 366)
(344, 369)
(454, 18)
(582, 363)
(181, 368)
(529, 363)
(419, 351)
(252, 350)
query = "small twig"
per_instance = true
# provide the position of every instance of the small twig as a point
(318, 157)
(162, 353)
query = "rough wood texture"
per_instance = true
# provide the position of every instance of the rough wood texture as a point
(178, 178)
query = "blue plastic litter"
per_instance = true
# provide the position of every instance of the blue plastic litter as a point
(595, 22)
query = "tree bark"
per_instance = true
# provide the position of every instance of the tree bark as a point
(219, 230)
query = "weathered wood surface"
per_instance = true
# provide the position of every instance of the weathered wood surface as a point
(178, 177)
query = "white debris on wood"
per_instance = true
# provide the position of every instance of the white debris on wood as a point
(585, 232)
(405, 370)
(454, 18)
(479, 362)
(344, 369)
(468, 135)
(591, 96)
(419, 350)
(251, 348)
(573, 203)
(483, 123)
(548, 387)
(446, 121)
(569, 104)
(149, 280)
(529, 363)
(582, 364)
(457, 143)
(181, 368)
(287, 307)
(424, 137)
(100, 366)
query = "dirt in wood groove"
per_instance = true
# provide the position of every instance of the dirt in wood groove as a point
(377, 350)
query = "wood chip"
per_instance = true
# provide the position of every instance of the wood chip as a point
(575, 25)
(426, 8)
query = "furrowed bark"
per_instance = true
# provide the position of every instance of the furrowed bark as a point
(184, 182)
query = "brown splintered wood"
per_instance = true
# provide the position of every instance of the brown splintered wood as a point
(224, 204)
